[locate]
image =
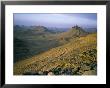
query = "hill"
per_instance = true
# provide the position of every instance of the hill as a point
(72, 33)
(77, 57)
(39, 39)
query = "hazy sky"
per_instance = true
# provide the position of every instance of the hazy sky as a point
(63, 20)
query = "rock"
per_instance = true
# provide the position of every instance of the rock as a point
(45, 73)
(40, 72)
(50, 73)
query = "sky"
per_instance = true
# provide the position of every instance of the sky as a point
(59, 20)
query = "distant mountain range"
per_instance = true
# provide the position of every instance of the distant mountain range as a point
(91, 30)
(52, 29)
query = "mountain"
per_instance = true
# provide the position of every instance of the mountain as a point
(58, 30)
(72, 33)
(74, 58)
(39, 39)
(40, 29)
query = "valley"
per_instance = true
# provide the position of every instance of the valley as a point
(39, 51)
